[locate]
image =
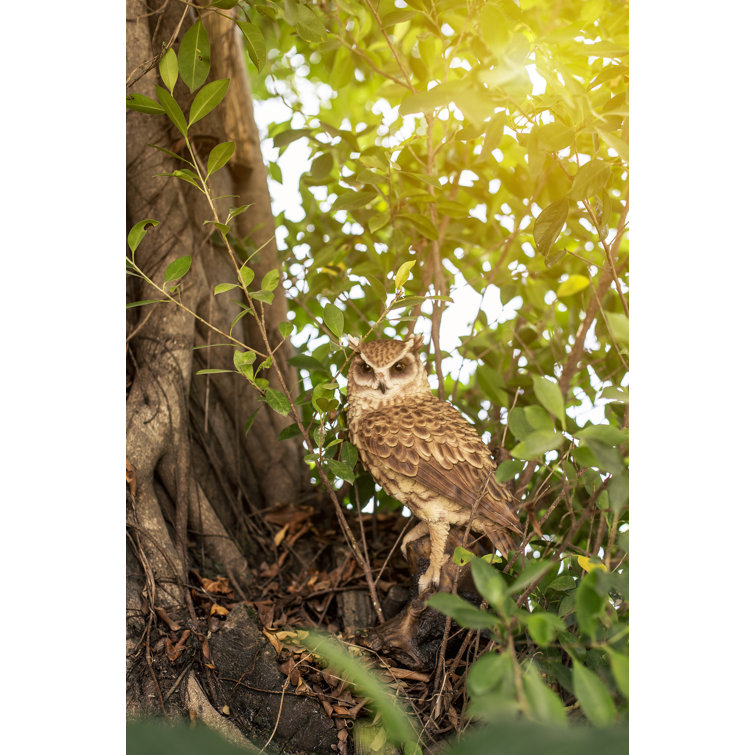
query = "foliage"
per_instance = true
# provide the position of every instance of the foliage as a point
(457, 148)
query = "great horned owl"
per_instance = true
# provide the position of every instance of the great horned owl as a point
(422, 451)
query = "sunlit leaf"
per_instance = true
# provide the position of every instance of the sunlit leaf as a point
(550, 396)
(143, 104)
(333, 318)
(178, 268)
(572, 285)
(169, 69)
(137, 233)
(255, 43)
(219, 155)
(276, 400)
(402, 274)
(194, 56)
(549, 224)
(172, 109)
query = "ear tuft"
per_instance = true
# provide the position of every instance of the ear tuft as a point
(415, 342)
(355, 343)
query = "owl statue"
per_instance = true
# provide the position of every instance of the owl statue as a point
(423, 452)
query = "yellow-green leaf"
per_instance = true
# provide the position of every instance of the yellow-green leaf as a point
(572, 285)
(402, 275)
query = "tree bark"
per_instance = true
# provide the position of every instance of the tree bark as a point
(198, 482)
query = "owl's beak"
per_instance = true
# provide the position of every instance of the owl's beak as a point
(381, 386)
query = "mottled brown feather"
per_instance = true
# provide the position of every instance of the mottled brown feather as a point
(429, 440)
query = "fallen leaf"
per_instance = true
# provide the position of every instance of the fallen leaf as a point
(273, 640)
(279, 535)
(405, 673)
(289, 514)
(218, 610)
(217, 585)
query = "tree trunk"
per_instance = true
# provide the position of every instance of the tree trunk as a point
(197, 481)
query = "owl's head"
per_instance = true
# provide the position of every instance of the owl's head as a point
(384, 371)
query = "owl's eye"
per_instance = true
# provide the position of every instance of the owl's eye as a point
(366, 367)
(399, 367)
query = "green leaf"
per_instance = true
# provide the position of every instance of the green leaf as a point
(321, 167)
(422, 224)
(333, 318)
(248, 424)
(402, 274)
(543, 626)
(545, 704)
(549, 395)
(378, 220)
(593, 697)
(309, 363)
(143, 104)
(137, 233)
(572, 285)
(397, 17)
(555, 136)
(271, 279)
(549, 223)
(290, 431)
(185, 175)
(352, 200)
(285, 138)
(618, 323)
(615, 143)
(426, 102)
(531, 573)
(178, 268)
(255, 44)
(536, 444)
(219, 155)
(222, 227)
(194, 56)
(264, 296)
(142, 302)
(488, 672)
(462, 611)
(169, 69)
(494, 28)
(323, 397)
(207, 99)
(618, 491)
(210, 371)
(221, 288)
(508, 469)
(277, 401)
(246, 275)
(172, 110)
(620, 670)
(489, 583)
(615, 393)
(285, 328)
(608, 434)
(609, 458)
(340, 469)
(591, 179)
(349, 454)
(523, 421)
(234, 211)
(462, 556)
(382, 699)
(309, 26)
(224, 4)
(590, 604)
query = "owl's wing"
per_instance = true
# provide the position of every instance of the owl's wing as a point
(430, 441)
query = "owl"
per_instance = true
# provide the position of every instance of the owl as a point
(423, 452)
